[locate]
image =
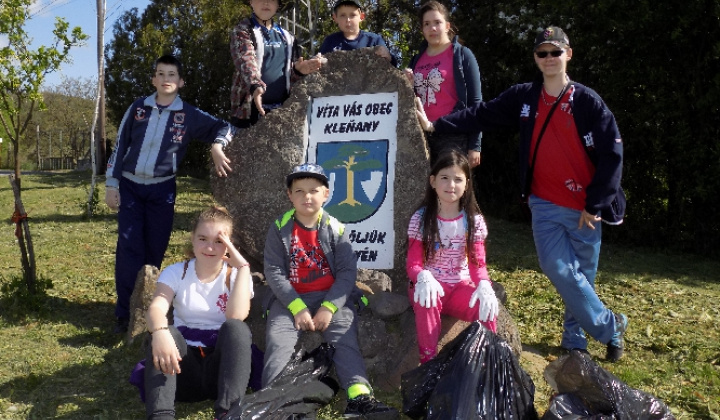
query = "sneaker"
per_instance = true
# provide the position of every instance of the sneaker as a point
(367, 407)
(220, 415)
(121, 325)
(617, 344)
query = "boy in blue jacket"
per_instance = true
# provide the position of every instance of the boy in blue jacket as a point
(311, 269)
(570, 178)
(140, 181)
(348, 14)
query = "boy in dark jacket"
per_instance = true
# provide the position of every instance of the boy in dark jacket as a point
(311, 269)
(152, 141)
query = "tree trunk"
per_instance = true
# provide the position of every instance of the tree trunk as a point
(22, 232)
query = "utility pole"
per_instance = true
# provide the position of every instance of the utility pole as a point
(61, 152)
(99, 105)
(100, 140)
(37, 141)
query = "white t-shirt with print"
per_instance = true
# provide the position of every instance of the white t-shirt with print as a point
(199, 305)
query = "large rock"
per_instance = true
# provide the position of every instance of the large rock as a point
(263, 154)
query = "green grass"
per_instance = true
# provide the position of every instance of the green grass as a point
(61, 361)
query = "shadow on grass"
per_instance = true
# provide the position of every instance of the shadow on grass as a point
(57, 310)
(93, 387)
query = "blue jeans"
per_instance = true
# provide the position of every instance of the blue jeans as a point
(569, 257)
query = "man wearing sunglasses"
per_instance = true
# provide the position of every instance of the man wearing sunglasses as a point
(571, 158)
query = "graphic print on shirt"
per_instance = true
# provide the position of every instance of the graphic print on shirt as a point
(307, 261)
(222, 302)
(426, 88)
(573, 186)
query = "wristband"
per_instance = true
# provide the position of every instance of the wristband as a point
(330, 306)
(159, 329)
(296, 306)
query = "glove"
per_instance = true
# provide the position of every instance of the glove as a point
(484, 293)
(427, 289)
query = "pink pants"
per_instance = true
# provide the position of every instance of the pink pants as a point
(456, 304)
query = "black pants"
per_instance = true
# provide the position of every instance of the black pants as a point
(220, 373)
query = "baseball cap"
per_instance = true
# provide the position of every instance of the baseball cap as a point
(552, 35)
(346, 3)
(307, 170)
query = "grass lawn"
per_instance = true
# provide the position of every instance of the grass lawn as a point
(61, 360)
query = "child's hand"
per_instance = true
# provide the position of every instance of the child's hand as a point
(220, 161)
(473, 158)
(488, 308)
(112, 198)
(308, 66)
(422, 117)
(409, 75)
(166, 356)
(322, 318)
(257, 98)
(303, 321)
(233, 257)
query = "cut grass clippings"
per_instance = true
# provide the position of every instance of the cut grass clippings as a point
(61, 361)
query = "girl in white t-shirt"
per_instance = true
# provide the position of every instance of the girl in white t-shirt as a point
(446, 255)
(206, 353)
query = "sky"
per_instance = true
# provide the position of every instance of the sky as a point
(82, 13)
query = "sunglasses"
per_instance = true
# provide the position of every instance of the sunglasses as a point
(554, 53)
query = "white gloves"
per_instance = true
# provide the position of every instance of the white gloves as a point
(427, 289)
(484, 293)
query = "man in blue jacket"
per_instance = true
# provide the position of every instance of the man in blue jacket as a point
(570, 165)
(152, 141)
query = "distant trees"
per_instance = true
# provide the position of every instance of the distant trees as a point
(658, 68)
(22, 70)
(64, 128)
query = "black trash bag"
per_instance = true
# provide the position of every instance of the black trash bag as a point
(587, 391)
(475, 376)
(297, 393)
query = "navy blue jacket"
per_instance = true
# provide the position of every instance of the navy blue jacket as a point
(337, 42)
(151, 142)
(517, 107)
(467, 81)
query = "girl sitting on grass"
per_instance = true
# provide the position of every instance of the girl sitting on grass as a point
(206, 353)
(446, 254)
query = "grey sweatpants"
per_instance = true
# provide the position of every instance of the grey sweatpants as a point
(281, 337)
